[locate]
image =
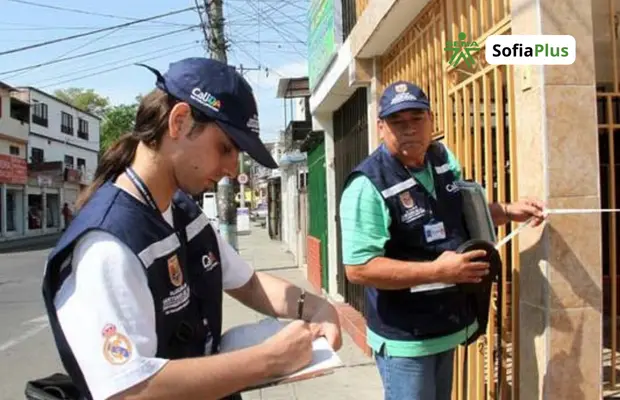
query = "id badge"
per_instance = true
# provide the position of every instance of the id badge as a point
(434, 231)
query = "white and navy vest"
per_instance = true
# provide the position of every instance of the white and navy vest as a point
(181, 264)
(432, 310)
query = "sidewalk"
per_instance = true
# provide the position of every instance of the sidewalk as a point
(29, 243)
(358, 380)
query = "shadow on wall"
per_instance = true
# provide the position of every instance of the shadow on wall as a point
(563, 372)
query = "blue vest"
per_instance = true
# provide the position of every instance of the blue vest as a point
(422, 228)
(181, 264)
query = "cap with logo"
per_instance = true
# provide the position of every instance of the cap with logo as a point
(219, 92)
(401, 96)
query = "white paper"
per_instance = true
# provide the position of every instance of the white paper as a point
(324, 358)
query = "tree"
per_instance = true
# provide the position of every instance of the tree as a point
(117, 121)
(84, 99)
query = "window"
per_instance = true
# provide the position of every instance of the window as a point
(37, 155)
(19, 111)
(82, 129)
(39, 114)
(69, 161)
(14, 150)
(81, 163)
(66, 123)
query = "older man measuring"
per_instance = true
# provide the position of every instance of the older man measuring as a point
(401, 222)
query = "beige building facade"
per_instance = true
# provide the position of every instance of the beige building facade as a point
(524, 130)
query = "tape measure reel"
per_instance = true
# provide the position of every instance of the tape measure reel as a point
(492, 257)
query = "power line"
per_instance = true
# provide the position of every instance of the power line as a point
(40, 28)
(97, 51)
(119, 67)
(247, 53)
(70, 51)
(285, 35)
(34, 46)
(110, 63)
(269, 20)
(203, 25)
(78, 11)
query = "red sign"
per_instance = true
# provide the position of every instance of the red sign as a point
(13, 170)
(73, 175)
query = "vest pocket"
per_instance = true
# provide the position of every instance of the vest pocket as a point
(424, 315)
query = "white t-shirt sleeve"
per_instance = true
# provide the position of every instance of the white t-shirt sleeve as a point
(236, 272)
(106, 312)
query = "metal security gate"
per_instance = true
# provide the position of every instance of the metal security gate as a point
(473, 114)
(605, 22)
(350, 148)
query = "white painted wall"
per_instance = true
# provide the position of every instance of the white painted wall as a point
(299, 113)
(56, 151)
(289, 209)
(57, 144)
(292, 237)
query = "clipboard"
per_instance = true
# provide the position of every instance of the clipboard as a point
(324, 359)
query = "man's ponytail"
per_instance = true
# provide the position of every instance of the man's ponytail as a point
(113, 163)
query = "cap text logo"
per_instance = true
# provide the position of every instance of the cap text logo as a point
(206, 99)
(253, 124)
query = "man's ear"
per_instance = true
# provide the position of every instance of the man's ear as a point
(180, 120)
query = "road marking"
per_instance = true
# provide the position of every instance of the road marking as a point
(37, 320)
(40, 324)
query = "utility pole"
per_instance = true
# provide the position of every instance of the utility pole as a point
(242, 70)
(227, 210)
(216, 46)
(216, 41)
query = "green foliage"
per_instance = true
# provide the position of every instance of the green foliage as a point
(117, 121)
(84, 99)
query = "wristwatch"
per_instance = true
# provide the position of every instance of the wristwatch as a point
(300, 304)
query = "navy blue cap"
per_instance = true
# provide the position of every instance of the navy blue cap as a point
(219, 92)
(400, 96)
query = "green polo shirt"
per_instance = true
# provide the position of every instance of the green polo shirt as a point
(364, 224)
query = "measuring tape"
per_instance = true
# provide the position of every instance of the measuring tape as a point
(549, 211)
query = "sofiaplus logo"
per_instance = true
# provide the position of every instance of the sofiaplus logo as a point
(531, 49)
(461, 50)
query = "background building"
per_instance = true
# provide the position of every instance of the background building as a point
(14, 128)
(63, 148)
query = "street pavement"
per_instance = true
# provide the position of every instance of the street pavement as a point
(27, 349)
(26, 345)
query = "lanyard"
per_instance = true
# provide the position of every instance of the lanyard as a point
(141, 186)
(148, 197)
